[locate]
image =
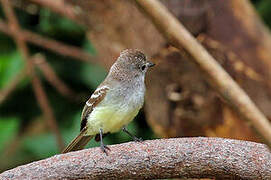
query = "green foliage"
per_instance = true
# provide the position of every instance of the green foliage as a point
(87, 46)
(41, 146)
(10, 65)
(94, 78)
(8, 129)
(264, 9)
(60, 28)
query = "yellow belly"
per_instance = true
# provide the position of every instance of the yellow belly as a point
(110, 119)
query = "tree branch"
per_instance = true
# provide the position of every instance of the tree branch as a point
(178, 36)
(164, 158)
(53, 45)
(5, 92)
(47, 110)
(60, 7)
(53, 79)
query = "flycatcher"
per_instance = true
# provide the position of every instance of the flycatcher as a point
(115, 102)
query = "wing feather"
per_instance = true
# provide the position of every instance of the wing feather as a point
(92, 102)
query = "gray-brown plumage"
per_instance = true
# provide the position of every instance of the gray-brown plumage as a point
(116, 101)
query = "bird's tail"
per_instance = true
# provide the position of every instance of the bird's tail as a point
(79, 142)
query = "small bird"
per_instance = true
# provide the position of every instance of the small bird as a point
(115, 102)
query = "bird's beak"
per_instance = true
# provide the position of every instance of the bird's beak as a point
(150, 64)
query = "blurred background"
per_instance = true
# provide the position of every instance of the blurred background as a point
(71, 44)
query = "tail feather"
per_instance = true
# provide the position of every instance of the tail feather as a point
(79, 142)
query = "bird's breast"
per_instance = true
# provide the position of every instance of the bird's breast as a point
(118, 108)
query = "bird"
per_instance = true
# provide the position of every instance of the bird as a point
(115, 102)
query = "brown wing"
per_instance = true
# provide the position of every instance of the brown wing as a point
(92, 102)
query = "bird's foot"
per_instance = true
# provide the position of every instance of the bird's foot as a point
(104, 148)
(136, 139)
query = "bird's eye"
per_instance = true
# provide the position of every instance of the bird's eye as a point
(143, 67)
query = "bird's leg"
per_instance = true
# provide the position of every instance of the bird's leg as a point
(131, 135)
(97, 137)
(103, 146)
